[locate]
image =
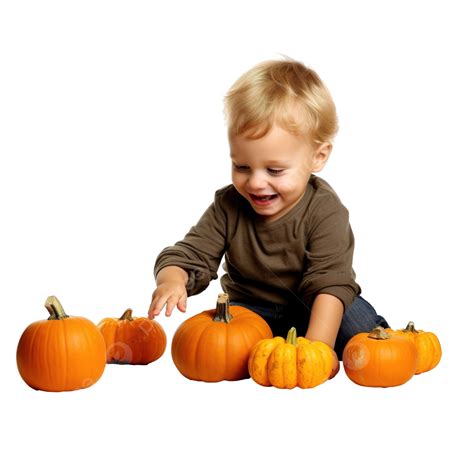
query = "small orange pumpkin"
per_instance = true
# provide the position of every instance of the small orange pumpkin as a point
(294, 362)
(215, 345)
(61, 353)
(129, 340)
(427, 344)
(379, 359)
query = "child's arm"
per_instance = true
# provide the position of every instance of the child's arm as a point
(324, 322)
(186, 268)
(170, 290)
(328, 255)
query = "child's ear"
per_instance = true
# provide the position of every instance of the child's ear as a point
(321, 156)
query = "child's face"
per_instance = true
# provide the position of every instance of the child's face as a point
(272, 172)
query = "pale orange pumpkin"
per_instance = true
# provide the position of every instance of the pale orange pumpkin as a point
(131, 340)
(215, 345)
(294, 362)
(379, 359)
(427, 345)
(61, 353)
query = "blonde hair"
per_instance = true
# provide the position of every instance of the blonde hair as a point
(282, 92)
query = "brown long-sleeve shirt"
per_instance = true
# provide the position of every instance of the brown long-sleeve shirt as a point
(306, 252)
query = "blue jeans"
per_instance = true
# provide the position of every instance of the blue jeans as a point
(360, 316)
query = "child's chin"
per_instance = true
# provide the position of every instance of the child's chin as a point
(267, 213)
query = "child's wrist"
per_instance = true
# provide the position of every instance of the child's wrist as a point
(172, 274)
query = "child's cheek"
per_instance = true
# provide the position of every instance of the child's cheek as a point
(284, 188)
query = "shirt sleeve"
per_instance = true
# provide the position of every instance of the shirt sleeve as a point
(200, 251)
(328, 258)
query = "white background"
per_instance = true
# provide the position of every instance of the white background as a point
(112, 143)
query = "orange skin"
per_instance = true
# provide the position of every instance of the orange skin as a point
(294, 362)
(427, 345)
(211, 351)
(379, 362)
(61, 354)
(136, 341)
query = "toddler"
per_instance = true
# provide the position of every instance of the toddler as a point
(283, 231)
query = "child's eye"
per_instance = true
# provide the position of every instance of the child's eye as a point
(274, 171)
(240, 168)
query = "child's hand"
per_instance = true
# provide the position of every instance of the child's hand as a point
(170, 294)
(170, 291)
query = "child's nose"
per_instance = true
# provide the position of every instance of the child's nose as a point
(257, 180)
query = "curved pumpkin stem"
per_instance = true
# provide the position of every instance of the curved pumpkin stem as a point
(410, 328)
(55, 308)
(222, 309)
(127, 316)
(291, 337)
(379, 333)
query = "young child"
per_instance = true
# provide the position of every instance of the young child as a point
(284, 233)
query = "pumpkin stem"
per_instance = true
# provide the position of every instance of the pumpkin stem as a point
(55, 308)
(127, 315)
(379, 333)
(410, 327)
(222, 308)
(291, 337)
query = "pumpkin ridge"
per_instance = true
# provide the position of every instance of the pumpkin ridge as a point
(427, 352)
(286, 355)
(433, 349)
(200, 347)
(142, 338)
(390, 350)
(290, 376)
(230, 335)
(95, 341)
(245, 338)
(439, 351)
(254, 328)
(34, 340)
(303, 361)
(317, 359)
(118, 336)
(329, 365)
(65, 349)
(189, 325)
(263, 350)
(39, 345)
(241, 312)
(89, 357)
(323, 361)
(318, 363)
(248, 336)
(44, 345)
(258, 326)
(44, 348)
(197, 340)
(113, 335)
(135, 345)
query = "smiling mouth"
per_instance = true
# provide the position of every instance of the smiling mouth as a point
(263, 199)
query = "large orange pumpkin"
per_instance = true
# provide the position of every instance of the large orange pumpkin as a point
(61, 353)
(427, 345)
(132, 340)
(215, 345)
(379, 359)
